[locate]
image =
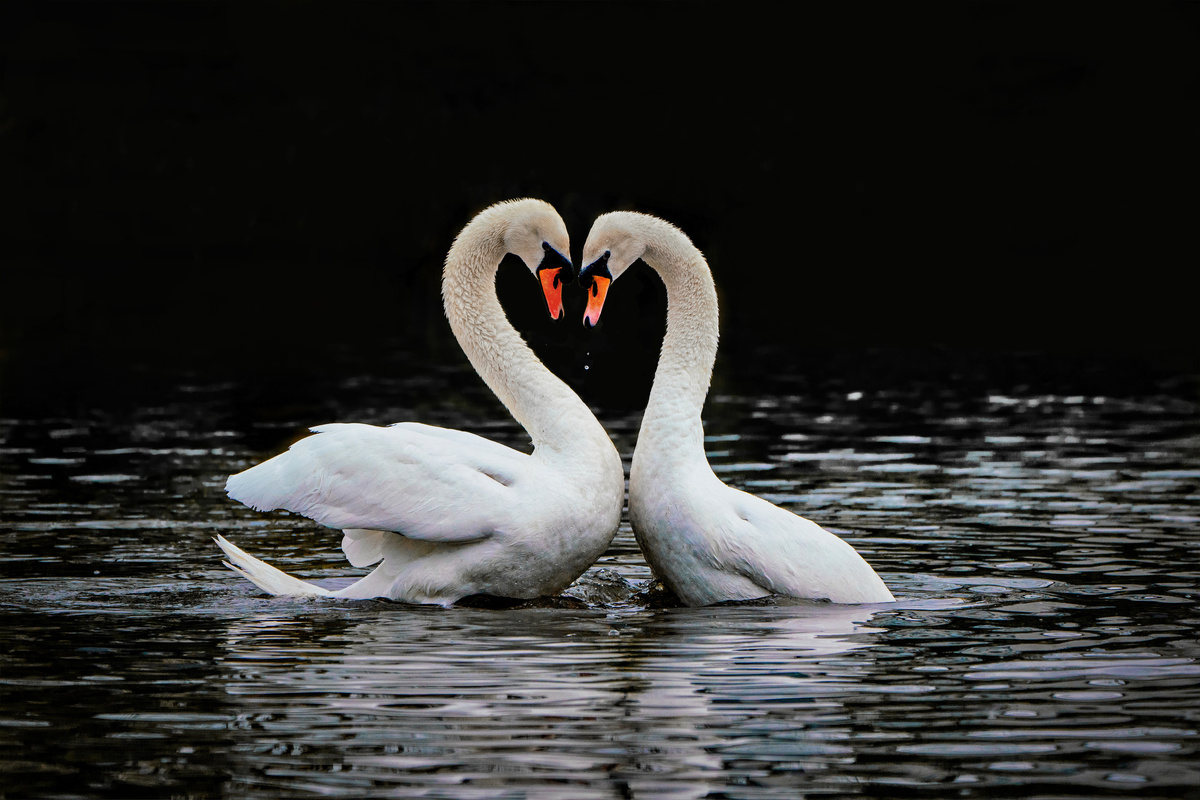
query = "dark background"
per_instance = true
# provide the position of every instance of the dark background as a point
(265, 191)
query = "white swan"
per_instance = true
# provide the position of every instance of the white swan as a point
(448, 513)
(706, 541)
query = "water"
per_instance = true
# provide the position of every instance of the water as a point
(1043, 544)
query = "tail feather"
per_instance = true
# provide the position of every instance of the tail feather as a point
(264, 576)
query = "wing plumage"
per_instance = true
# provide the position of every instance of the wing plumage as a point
(788, 554)
(423, 482)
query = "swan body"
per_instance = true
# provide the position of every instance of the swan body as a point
(445, 513)
(706, 541)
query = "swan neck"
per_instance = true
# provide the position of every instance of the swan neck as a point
(672, 424)
(544, 405)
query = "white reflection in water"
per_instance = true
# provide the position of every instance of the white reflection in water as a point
(408, 693)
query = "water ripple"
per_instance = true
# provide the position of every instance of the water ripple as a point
(1042, 546)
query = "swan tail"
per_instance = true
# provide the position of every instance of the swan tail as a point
(264, 576)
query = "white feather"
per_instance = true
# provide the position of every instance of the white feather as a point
(263, 575)
(350, 475)
(363, 548)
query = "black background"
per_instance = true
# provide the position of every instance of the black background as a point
(247, 190)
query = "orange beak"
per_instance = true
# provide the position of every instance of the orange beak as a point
(552, 288)
(596, 297)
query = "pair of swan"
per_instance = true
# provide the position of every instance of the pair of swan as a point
(448, 514)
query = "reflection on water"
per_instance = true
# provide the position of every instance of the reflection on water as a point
(585, 699)
(1043, 547)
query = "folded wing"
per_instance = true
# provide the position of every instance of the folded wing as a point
(417, 480)
(788, 554)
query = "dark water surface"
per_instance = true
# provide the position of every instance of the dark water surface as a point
(1044, 547)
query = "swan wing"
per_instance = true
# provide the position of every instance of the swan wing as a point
(788, 554)
(405, 478)
(483, 448)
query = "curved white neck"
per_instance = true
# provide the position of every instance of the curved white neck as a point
(671, 427)
(546, 407)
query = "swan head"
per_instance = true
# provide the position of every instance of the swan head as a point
(536, 234)
(615, 242)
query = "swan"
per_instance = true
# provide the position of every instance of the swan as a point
(446, 513)
(706, 541)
